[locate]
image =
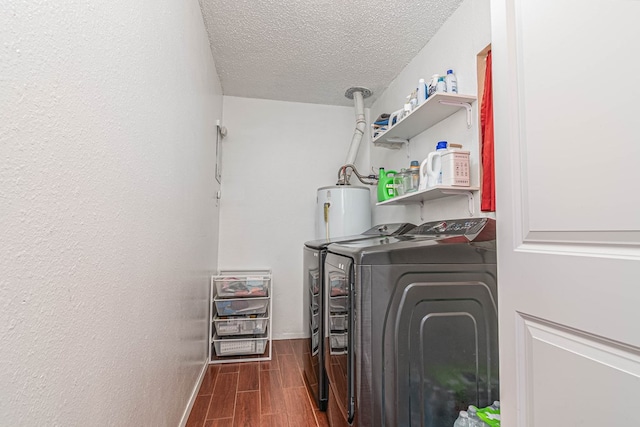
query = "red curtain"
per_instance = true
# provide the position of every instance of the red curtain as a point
(488, 188)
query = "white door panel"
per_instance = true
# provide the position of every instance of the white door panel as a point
(578, 66)
(569, 363)
(568, 209)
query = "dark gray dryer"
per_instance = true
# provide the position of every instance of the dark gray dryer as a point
(314, 253)
(420, 336)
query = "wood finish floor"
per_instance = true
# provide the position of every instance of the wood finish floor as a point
(258, 394)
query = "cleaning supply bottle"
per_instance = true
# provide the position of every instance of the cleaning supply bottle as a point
(451, 82)
(386, 188)
(422, 91)
(433, 164)
(441, 86)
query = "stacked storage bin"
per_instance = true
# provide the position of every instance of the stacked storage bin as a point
(240, 316)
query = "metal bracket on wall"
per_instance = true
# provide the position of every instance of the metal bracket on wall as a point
(221, 132)
(465, 105)
(469, 195)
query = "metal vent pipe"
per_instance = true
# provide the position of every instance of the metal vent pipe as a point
(358, 94)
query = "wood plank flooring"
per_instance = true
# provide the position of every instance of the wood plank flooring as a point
(258, 394)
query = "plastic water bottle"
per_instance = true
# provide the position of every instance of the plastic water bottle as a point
(491, 414)
(463, 420)
(451, 82)
(474, 420)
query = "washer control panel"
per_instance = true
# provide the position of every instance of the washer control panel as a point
(455, 227)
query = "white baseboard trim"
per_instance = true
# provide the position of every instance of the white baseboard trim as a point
(194, 394)
(290, 336)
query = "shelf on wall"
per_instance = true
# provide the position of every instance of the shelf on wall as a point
(433, 193)
(436, 108)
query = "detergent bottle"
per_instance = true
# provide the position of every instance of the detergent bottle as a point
(386, 188)
(431, 167)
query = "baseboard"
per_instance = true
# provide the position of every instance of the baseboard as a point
(194, 394)
(290, 336)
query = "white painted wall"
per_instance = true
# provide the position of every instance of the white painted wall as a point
(108, 218)
(275, 157)
(454, 46)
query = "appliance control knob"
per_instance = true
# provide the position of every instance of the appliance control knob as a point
(440, 227)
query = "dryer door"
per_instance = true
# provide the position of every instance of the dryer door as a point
(340, 354)
(314, 373)
(443, 342)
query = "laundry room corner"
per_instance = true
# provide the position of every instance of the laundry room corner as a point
(275, 155)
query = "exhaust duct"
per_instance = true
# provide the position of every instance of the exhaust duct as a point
(358, 94)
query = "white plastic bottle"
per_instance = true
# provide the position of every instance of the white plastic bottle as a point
(441, 86)
(422, 91)
(451, 82)
(474, 419)
(463, 420)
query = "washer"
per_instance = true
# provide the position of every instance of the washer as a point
(314, 253)
(420, 335)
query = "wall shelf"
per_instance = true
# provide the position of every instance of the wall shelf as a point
(433, 193)
(436, 108)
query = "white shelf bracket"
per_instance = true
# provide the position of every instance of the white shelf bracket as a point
(464, 105)
(469, 195)
(391, 143)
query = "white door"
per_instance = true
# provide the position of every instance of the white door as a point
(567, 122)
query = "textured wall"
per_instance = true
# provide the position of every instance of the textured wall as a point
(108, 218)
(276, 156)
(455, 45)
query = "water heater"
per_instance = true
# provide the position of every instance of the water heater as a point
(342, 211)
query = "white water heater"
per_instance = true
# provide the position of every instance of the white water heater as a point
(342, 211)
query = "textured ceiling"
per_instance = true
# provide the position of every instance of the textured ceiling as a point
(313, 50)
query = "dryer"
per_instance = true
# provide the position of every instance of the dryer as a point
(419, 329)
(314, 253)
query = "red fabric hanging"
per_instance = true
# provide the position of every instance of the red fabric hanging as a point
(488, 188)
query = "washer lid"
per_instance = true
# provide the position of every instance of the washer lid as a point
(439, 242)
(391, 229)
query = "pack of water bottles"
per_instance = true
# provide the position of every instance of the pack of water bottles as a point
(484, 417)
